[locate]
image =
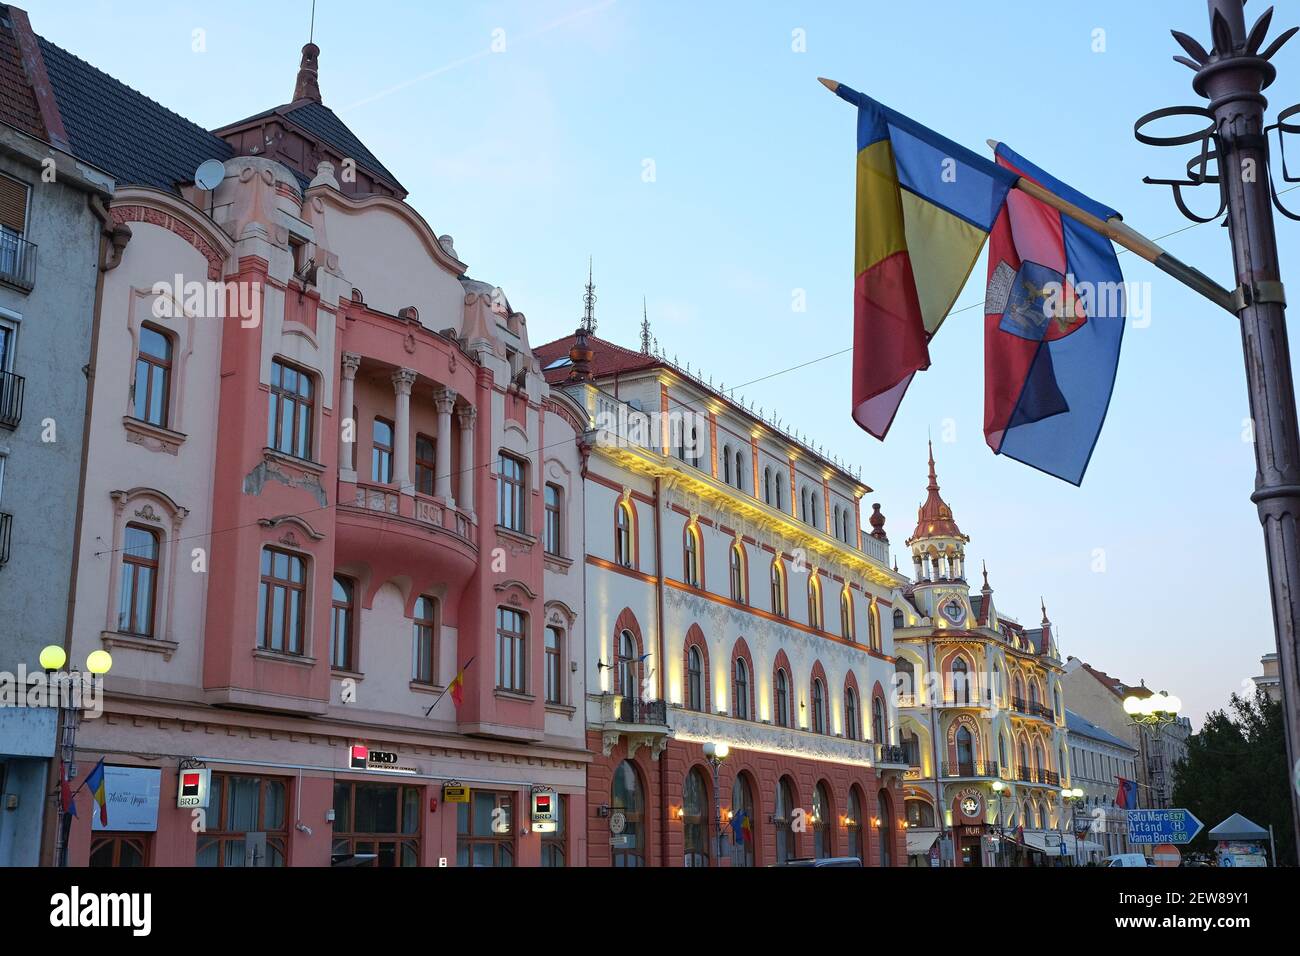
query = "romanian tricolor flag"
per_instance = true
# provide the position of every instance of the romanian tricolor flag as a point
(742, 830)
(457, 688)
(95, 784)
(925, 206)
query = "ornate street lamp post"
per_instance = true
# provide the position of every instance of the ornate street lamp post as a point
(715, 754)
(1232, 76)
(998, 787)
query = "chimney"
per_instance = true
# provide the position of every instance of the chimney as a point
(306, 88)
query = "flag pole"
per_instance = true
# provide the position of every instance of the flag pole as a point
(1122, 234)
(459, 673)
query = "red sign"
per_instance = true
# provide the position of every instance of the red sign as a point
(1166, 854)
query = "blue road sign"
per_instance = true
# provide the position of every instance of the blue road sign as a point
(1162, 826)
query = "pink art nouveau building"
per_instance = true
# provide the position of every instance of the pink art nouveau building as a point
(311, 501)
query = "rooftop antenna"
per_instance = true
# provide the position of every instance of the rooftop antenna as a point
(311, 33)
(589, 303)
(645, 328)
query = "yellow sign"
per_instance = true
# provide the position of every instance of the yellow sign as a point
(455, 793)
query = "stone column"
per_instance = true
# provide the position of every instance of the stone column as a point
(403, 379)
(347, 399)
(443, 400)
(468, 466)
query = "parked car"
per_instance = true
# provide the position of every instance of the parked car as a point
(828, 861)
(1127, 859)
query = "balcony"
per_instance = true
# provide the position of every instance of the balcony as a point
(639, 722)
(637, 710)
(11, 399)
(971, 769)
(1030, 775)
(17, 262)
(1022, 706)
(6, 527)
(893, 754)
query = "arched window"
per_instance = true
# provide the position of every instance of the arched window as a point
(803, 505)
(853, 825)
(1002, 752)
(960, 682)
(823, 824)
(780, 497)
(629, 685)
(767, 485)
(623, 534)
(740, 690)
(778, 587)
(342, 630)
(898, 618)
(783, 817)
(782, 699)
(965, 752)
(742, 809)
(695, 819)
(1026, 816)
(906, 681)
(1040, 759)
(737, 560)
(691, 556)
(740, 472)
(815, 601)
(995, 688)
(813, 518)
(726, 463)
(873, 626)
(1019, 692)
(424, 640)
(153, 375)
(1033, 695)
(919, 813)
(1023, 753)
(846, 614)
(911, 745)
(851, 726)
(694, 680)
(835, 513)
(626, 795)
(879, 726)
(819, 706)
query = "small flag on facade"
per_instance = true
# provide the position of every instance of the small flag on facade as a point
(741, 829)
(95, 784)
(67, 803)
(457, 688)
(1126, 795)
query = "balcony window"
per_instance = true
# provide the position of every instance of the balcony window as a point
(879, 726)
(381, 452)
(342, 623)
(11, 385)
(424, 630)
(425, 464)
(153, 375)
(139, 588)
(17, 255)
(965, 752)
(289, 411)
(282, 600)
(511, 494)
(511, 657)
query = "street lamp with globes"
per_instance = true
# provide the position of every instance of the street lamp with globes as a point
(98, 663)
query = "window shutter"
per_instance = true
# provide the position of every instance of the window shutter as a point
(13, 204)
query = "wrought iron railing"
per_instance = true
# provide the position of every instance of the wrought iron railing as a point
(636, 710)
(971, 768)
(17, 261)
(893, 753)
(11, 399)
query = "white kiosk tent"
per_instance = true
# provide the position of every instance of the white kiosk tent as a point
(1240, 842)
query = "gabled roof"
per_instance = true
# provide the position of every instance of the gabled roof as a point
(121, 130)
(18, 106)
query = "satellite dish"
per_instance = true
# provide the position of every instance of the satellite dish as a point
(210, 174)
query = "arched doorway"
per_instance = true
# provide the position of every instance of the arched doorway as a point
(853, 825)
(695, 819)
(742, 809)
(785, 846)
(885, 811)
(823, 823)
(627, 798)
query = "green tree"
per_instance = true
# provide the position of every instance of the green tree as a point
(1237, 764)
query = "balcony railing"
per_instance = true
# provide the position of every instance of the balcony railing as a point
(1033, 709)
(6, 527)
(971, 769)
(894, 754)
(1031, 775)
(17, 261)
(11, 399)
(636, 710)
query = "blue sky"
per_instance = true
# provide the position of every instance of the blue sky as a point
(534, 157)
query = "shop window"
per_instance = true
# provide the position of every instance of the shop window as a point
(554, 852)
(247, 822)
(485, 830)
(627, 796)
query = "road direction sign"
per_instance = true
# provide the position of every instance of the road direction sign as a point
(1175, 826)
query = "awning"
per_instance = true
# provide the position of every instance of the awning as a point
(1038, 841)
(920, 842)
